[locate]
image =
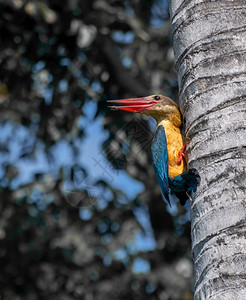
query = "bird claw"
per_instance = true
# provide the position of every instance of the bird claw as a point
(181, 154)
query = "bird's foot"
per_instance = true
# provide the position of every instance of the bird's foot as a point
(181, 154)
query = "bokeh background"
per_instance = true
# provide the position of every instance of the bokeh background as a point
(81, 211)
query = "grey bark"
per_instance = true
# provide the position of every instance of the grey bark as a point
(210, 55)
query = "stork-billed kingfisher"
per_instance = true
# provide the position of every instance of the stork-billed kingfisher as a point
(168, 149)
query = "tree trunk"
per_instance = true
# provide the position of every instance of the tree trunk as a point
(210, 55)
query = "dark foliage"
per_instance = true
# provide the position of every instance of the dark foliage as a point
(65, 232)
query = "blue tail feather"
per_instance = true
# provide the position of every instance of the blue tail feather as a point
(184, 183)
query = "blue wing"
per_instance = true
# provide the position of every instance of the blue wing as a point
(160, 161)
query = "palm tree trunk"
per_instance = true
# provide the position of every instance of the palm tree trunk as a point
(210, 55)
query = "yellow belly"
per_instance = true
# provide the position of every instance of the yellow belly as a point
(174, 144)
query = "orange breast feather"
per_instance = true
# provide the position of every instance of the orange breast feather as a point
(174, 144)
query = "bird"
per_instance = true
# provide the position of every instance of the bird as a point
(168, 149)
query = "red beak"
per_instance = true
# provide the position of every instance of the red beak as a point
(133, 104)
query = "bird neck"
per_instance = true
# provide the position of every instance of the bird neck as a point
(174, 119)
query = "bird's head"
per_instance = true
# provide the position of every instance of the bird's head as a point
(156, 106)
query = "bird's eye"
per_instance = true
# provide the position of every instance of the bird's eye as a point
(157, 97)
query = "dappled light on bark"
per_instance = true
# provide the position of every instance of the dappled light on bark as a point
(209, 43)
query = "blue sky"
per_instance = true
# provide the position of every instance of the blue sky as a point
(15, 137)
